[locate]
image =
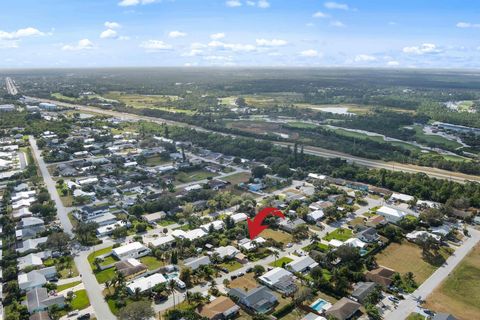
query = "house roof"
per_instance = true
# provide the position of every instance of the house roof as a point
(146, 283)
(254, 298)
(128, 248)
(363, 289)
(161, 241)
(381, 276)
(38, 298)
(195, 263)
(275, 275)
(343, 309)
(302, 263)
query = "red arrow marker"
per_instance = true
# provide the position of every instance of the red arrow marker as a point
(255, 227)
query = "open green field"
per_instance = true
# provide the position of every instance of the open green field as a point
(407, 257)
(279, 263)
(237, 177)
(350, 108)
(302, 125)
(340, 234)
(231, 265)
(436, 139)
(152, 263)
(66, 286)
(80, 300)
(459, 294)
(192, 176)
(146, 101)
(266, 99)
(156, 161)
(91, 257)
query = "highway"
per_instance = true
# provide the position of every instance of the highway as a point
(316, 151)
(11, 87)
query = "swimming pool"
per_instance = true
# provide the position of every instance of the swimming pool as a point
(320, 305)
(171, 275)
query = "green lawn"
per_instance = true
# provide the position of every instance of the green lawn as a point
(105, 275)
(237, 177)
(152, 263)
(80, 301)
(302, 125)
(415, 316)
(196, 175)
(68, 285)
(316, 246)
(165, 222)
(436, 139)
(280, 262)
(231, 265)
(93, 255)
(339, 234)
(109, 260)
(156, 161)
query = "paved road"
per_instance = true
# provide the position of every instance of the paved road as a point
(62, 212)
(320, 152)
(405, 307)
(94, 290)
(11, 87)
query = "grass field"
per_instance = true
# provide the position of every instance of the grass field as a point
(152, 263)
(237, 178)
(91, 257)
(192, 176)
(80, 301)
(105, 275)
(231, 265)
(459, 294)
(68, 285)
(339, 234)
(415, 316)
(302, 125)
(147, 101)
(407, 257)
(279, 263)
(441, 141)
(277, 235)
(156, 161)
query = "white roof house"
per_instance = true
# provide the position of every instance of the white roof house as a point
(146, 283)
(31, 259)
(302, 264)
(391, 214)
(190, 235)
(226, 252)
(315, 215)
(275, 275)
(248, 244)
(335, 243)
(88, 181)
(131, 250)
(217, 225)
(357, 243)
(420, 235)
(401, 197)
(239, 217)
(23, 203)
(162, 241)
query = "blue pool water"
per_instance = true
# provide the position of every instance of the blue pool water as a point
(318, 305)
(172, 275)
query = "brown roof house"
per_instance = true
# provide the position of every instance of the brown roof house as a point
(130, 268)
(219, 309)
(344, 309)
(382, 276)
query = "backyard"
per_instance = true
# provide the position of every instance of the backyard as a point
(340, 234)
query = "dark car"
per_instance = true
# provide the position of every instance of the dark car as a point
(85, 316)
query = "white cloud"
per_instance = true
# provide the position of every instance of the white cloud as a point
(155, 45)
(20, 33)
(364, 58)
(336, 6)
(337, 24)
(271, 43)
(192, 53)
(310, 53)
(130, 3)
(176, 34)
(251, 3)
(320, 14)
(233, 3)
(425, 48)
(465, 25)
(393, 63)
(197, 45)
(112, 25)
(218, 58)
(108, 34)
(124, 38)
(232, 46)
(217, 36)
(83, 44)
(263, 4)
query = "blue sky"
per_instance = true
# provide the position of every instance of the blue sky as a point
(356, 33)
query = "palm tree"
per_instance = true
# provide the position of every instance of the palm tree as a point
(276, 255)
(171, 289)
(137, 294)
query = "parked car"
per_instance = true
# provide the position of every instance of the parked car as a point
(85, 316)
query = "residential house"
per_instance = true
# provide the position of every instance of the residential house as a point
(279, 279)
(195, 262)
(249, 245)
(290, 225)
(153, 218)
(226, 253)
(443, 316)
(145, 283)
(369, 235)
(302, 264)
(375, 221)
(38, 300)
(259, 300)
(31, 244)
(131, 250)
(36, 278)
(362, 290)
(162, 242)
(343, 309)
(190, 235)
(216, 225)
(392, 215)
(315, 216)
(130, 268)
(381, 276)
(239, 217)
(219, 309)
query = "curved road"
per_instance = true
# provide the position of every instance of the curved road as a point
(316, 151)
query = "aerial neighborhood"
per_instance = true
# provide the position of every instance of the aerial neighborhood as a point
(105, 216)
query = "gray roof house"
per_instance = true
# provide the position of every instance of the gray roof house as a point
(39, 300)
(31, 244)
(36, 278)
(361, 290)
(290, 225)
(368, 235)
(302, 264)
(259, 300)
